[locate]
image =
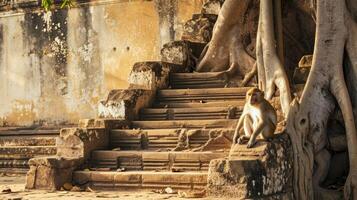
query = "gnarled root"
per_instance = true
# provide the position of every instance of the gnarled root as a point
(271, 72)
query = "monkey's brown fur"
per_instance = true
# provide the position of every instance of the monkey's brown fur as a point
(258, 117)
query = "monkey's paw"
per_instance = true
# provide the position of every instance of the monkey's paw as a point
(240, 140)
(250, 144)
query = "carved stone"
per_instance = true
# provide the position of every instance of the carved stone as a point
(265, 170)
(212, 7)
(125, 104)
(179, 56)
(148, 75)
(80, 142)
(199, 29)
(50, 173)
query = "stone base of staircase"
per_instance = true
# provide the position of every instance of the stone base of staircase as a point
(257, 173)
(141, 179)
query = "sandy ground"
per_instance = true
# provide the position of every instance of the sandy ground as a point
(18, 192)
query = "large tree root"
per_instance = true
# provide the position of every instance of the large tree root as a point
(271, 72)
(226, 52)
(326, 85)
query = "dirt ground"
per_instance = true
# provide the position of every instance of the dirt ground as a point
(17, 186)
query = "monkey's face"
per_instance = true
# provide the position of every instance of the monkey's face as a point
(254, 96)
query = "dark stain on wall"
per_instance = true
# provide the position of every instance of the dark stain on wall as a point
(167, 10)
(45, 34)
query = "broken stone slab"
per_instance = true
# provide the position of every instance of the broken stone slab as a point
(125, 104)
(51, 173)
(80, 142)
(149, 76)
(212, 7)
(199, 29)
(266, 171)
(178, 56)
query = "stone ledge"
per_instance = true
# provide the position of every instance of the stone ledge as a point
(142, 179)
(253, 173)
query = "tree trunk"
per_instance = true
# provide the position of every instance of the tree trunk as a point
(271, 72)
(325, 88)
(227, 50)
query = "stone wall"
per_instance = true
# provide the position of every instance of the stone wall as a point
(56, 66)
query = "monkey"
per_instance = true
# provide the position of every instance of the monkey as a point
(258, 117)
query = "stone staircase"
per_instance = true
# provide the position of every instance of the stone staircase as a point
(144, 156)
(171, 128)
(18, 145)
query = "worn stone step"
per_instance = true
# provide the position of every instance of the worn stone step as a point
(27, 140)
(190, 113)
(240, 91)
(155, 139)
(28, 151)
(219, 123)
(196, 80)
(14, 170)
(201, 95)
(236, 103)
(151, 160)
(142, 179)
(19, 163)
(21, 132)
(14, 159)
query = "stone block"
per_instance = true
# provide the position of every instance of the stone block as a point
(125, 104)
(169, 178)
(267, 171)
(149, 76)
(199, 29)
(212, 7)
(178, 56)
(51, 173)
(80, 142)
(127, 178)
(103, 177)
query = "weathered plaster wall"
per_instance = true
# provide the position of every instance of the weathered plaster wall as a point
(56, 66)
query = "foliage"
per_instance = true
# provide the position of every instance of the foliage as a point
(48, 4)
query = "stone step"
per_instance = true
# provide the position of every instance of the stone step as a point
(151, 160)
(27, 140)
(156, 139)
(219, 123)
(21, 132)
(26, 151)
(141, 179)
(201, 95)
(190, 113)
(14, 159)
(236, 103)
(196, 80)
(14, 170)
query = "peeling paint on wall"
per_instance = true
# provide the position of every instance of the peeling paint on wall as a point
(57, 66)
